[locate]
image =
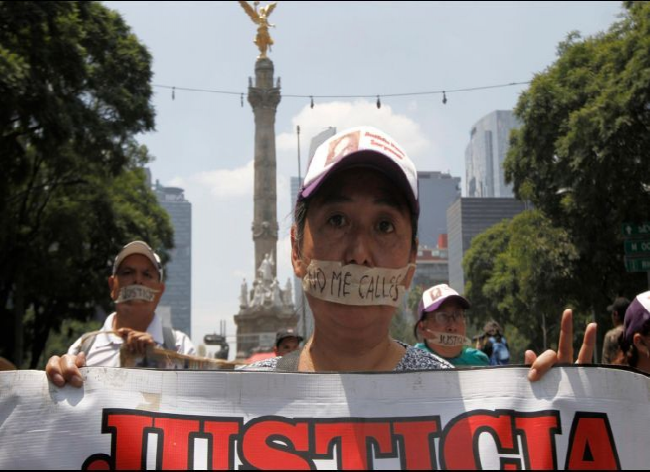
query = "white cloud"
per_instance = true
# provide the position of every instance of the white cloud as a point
(227, 183)
(177, 182)
(344, 115)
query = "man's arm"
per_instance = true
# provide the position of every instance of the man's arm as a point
(65, 369)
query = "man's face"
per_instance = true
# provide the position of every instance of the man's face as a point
(357, 217)
(137, 270)
(286, 346)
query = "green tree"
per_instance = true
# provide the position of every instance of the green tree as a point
(581, 155)
(74, 92)
(478, 267)
(520, 273)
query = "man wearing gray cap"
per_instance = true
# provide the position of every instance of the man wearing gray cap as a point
(136, 286)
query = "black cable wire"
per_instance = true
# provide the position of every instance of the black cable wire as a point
(311, 97)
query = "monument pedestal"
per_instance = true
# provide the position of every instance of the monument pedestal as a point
(257, 326)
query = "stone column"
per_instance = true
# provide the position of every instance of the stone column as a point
(264, 99)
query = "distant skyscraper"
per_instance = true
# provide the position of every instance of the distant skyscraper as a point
(485, 153)
(178, 272)
(437, 191)
(469, 217)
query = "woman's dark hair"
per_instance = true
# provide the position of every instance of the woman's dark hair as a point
(631, 352)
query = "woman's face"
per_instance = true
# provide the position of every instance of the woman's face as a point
(448, 318)
(357, 217)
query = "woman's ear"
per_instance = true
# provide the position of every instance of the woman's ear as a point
(299, 267)
(113, 287)
(640, 344)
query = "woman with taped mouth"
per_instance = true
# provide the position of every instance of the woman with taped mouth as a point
(443, 329)
(354, 243)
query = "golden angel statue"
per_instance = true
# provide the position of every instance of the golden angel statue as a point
(260, 17)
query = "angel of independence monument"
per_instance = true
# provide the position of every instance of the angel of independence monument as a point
(264, 308)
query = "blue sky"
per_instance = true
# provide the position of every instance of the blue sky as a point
(204, 141)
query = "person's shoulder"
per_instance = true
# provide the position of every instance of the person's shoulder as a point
(184, 344)
(423, 347)
(615, 332)
(417, 358)
(269, 364)
(76, 346)
(180, 335)
(478, 356)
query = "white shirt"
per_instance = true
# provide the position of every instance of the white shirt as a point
(105, 351)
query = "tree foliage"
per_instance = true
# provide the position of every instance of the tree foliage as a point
(581, 155)
(520, 272)
(74, 92)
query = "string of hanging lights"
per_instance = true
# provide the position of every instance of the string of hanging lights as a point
(311, 98)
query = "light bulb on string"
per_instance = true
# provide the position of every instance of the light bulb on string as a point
(241, 99)
(444, 98)
(173, 93)
(378, 102)
(311, 105)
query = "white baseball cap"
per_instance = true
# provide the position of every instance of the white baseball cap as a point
(435, 296)
(138, 247)
(363, 146)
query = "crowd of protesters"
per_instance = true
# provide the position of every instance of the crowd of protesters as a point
(356, 213)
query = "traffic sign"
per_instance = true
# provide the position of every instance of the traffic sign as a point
(636, 229)
(637, 265)
(637, 246)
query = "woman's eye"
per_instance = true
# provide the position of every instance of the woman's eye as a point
(336, 220)
(386, 227)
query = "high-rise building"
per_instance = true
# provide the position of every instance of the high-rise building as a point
(469, 217)
(178, 272)
(485, 153)
(437, 191)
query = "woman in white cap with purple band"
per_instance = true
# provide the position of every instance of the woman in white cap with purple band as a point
(354, 243)
(443, 329)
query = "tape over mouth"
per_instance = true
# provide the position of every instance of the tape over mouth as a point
(136, 292)
(355, 285)
(446, 339)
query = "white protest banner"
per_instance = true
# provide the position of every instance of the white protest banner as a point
(575, 418)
